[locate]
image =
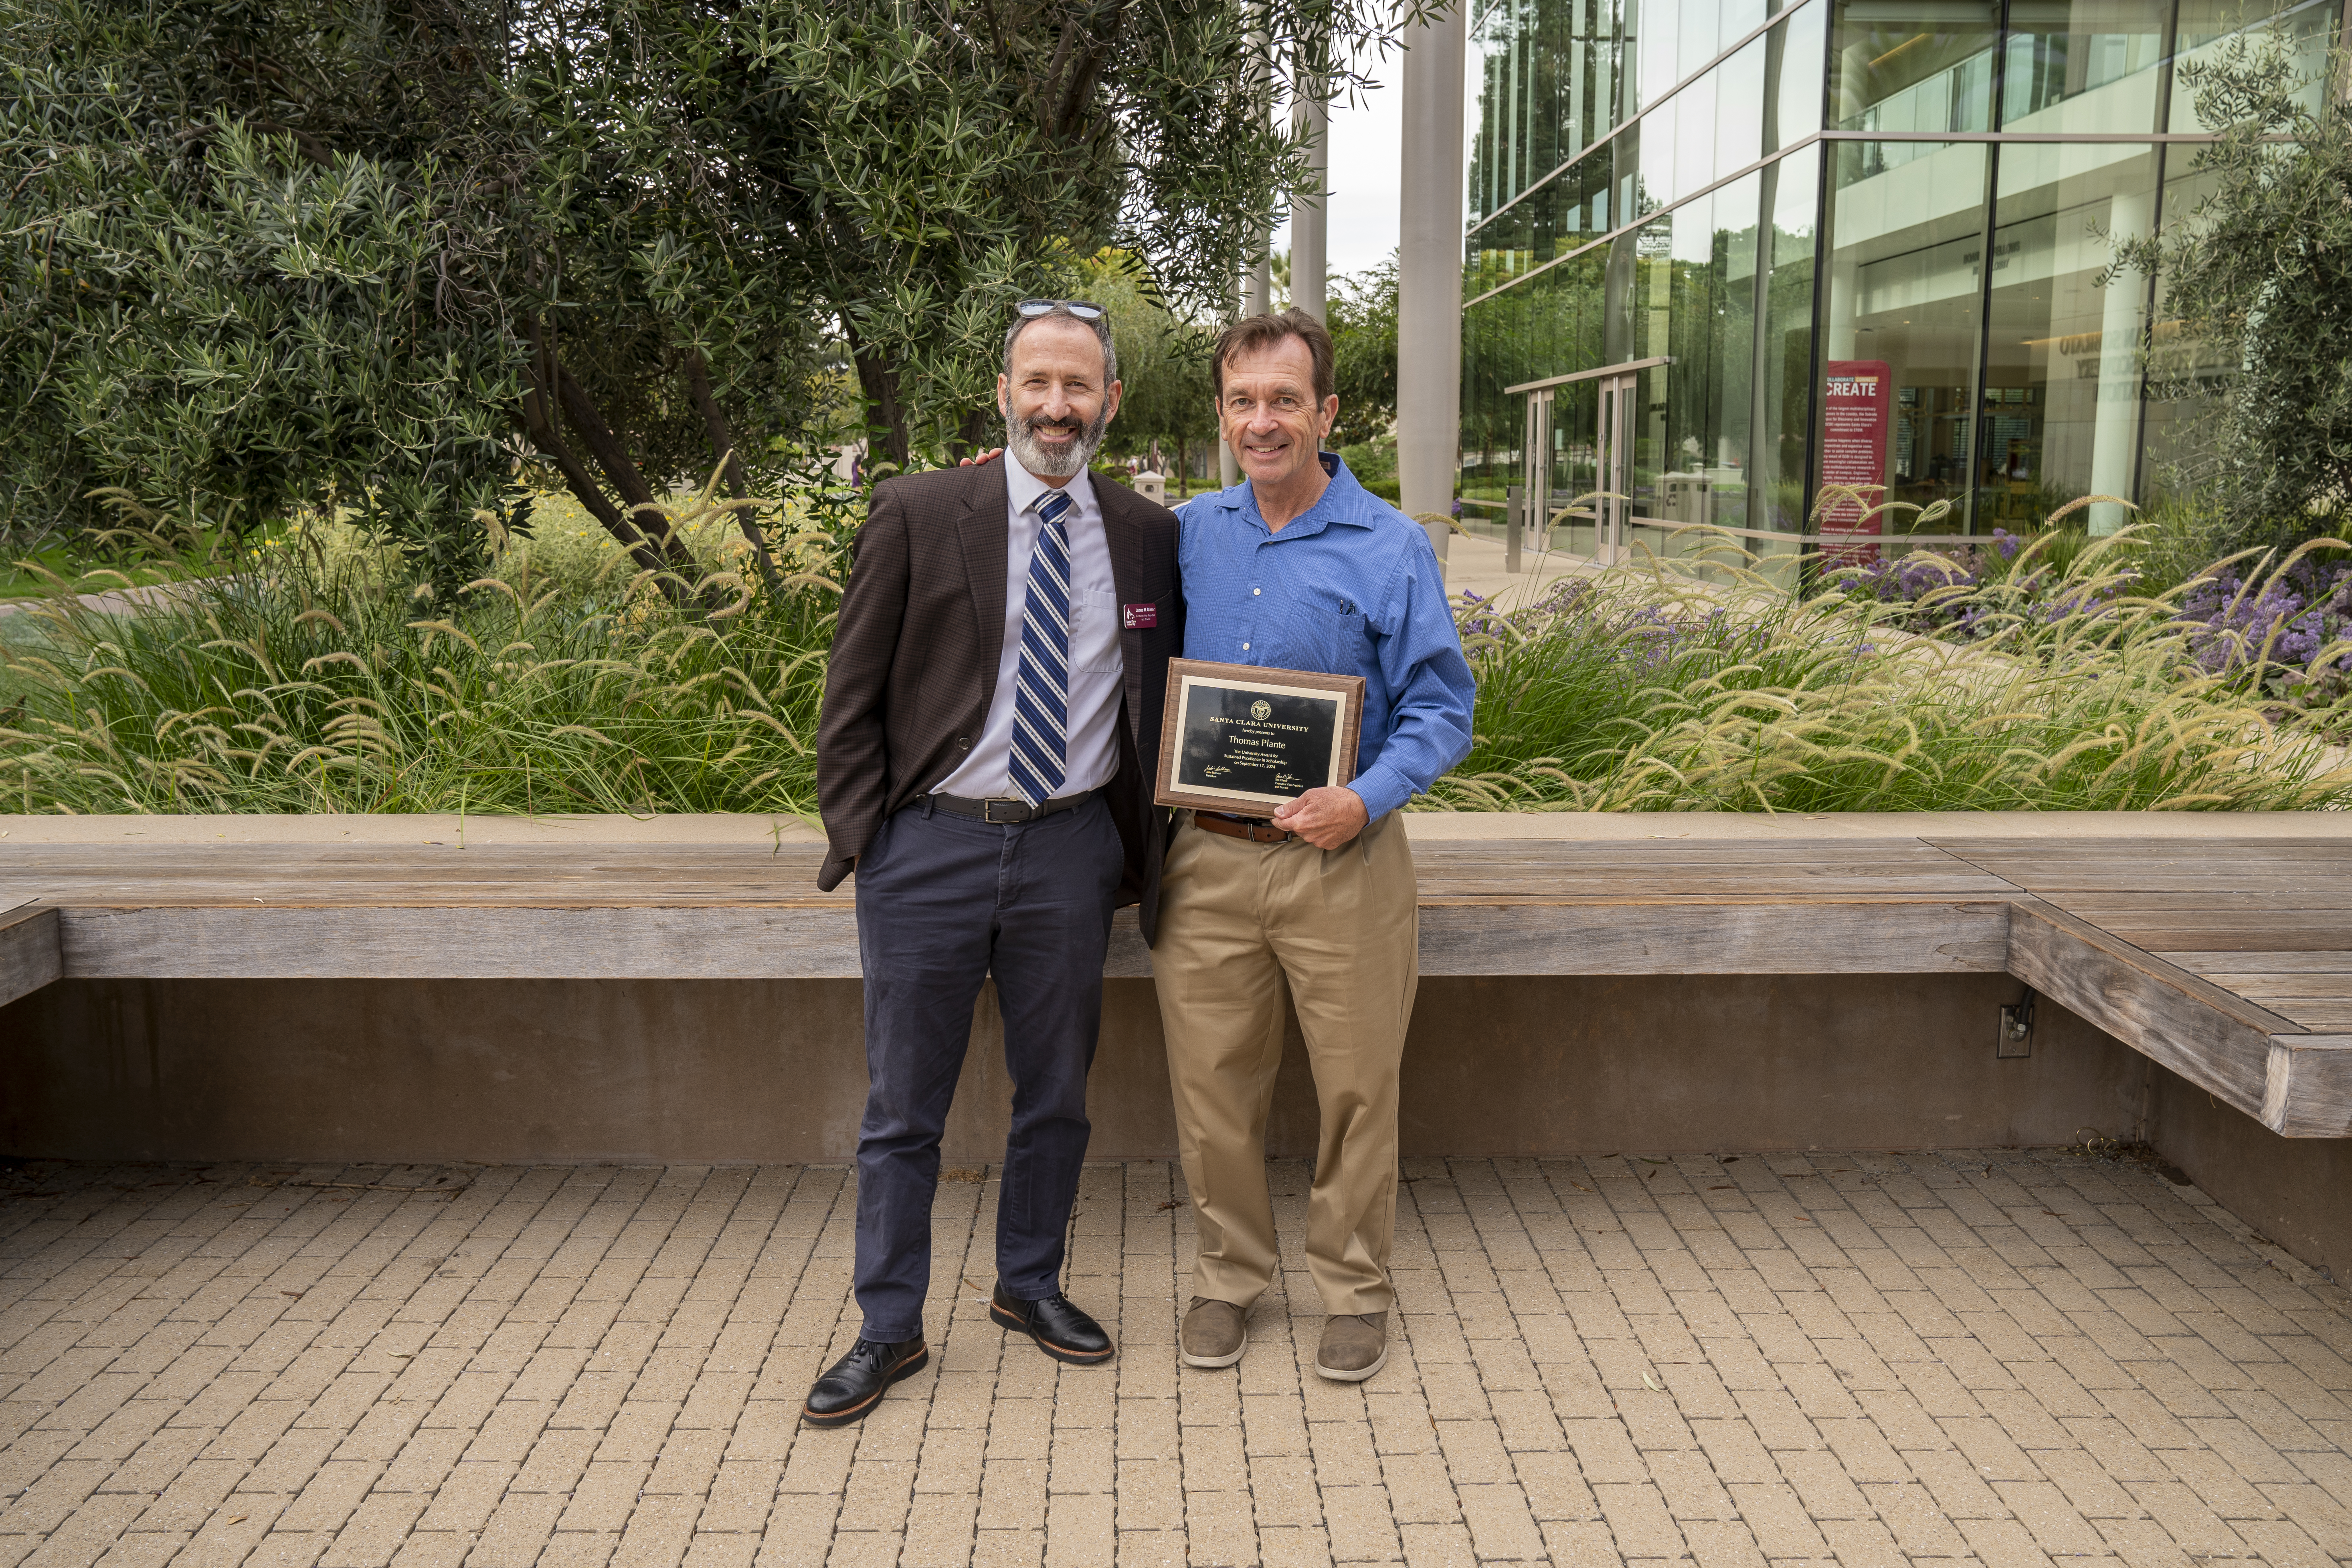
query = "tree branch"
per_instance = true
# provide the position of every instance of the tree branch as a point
(722, 453)
(614, 459)
(879, 382)
(576, 478)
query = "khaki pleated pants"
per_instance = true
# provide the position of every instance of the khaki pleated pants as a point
(1341, 926)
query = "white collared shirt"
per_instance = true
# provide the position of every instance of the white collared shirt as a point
(1097, 671)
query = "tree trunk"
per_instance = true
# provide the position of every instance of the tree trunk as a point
(972, 435)
(539, 424)
(722, 453)
(879, 382)
(614, 459)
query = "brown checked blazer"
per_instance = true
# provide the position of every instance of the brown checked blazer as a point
(915, 656)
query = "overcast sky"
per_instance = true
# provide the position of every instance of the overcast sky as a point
(1366, 141)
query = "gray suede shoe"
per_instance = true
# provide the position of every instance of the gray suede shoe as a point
(1215, 1333)
(1354, 1346)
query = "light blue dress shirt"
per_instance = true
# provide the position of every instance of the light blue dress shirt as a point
(1352, 587)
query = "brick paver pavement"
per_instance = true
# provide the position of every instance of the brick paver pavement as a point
(2009, 1357)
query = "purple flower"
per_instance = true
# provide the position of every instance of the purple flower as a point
(2295, 614)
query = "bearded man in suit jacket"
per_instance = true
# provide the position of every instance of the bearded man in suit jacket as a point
(984, 763)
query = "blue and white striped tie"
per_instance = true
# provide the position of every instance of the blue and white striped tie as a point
(1041, 703)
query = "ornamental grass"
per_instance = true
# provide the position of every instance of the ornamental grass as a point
(1695, 685)
(313, 680)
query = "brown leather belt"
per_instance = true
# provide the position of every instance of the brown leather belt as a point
(1256, 830)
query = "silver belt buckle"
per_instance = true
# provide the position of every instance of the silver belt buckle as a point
(988, 810)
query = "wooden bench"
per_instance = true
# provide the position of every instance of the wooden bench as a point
(2221, 948)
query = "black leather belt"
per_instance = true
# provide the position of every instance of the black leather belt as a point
(1001, 810)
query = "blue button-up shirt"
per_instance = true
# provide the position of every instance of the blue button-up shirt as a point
(1352, 587)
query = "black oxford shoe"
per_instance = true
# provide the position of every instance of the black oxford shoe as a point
(853, 1385)
(1060, 1329)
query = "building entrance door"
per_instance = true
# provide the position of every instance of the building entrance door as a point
(1578, 460)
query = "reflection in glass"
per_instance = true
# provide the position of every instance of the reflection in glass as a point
(1912, 66)
(1567, 212)
(1739, 112)
(2184, 375)
(1792, 76)
(1645, 165)
(1550, 325)
(1704, 398)
(2061, 384)
(1572, 476)
(1587, 219)
(1905, 254)
(1694, 111)
(2305, 28)
(1545, 73)
(2081, 65)
(1655, 64)
(1734, 94)
(1784, 346)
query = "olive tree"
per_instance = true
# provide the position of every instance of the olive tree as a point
(373, 254)
(2256, 285)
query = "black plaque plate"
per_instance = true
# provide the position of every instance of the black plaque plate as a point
(1245, 739)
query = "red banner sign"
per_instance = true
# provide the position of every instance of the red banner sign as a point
(1857, 405)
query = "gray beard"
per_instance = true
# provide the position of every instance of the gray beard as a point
(1064, 464)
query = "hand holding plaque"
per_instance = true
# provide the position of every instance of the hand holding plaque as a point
(1245, 739)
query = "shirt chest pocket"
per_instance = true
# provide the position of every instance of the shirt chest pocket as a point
(1094, 632)
(1316, 638)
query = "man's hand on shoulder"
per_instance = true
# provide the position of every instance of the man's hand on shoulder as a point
(1326, 818)
(981, 459)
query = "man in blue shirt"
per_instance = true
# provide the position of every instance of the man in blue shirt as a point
(1300, 567)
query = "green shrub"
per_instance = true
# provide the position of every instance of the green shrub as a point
(317, 680)
(314, 679)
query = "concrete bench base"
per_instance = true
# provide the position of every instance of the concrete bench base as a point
(514, 1071)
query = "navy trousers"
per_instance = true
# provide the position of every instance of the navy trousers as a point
(942, 903)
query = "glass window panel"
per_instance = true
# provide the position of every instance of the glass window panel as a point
(2205, 24)
(1542, 74)
(2081, 65)
(1639, 313)
(1552, 324)
(1619, 287)
(1695, 164)
(1792, 77)
(1491, 42)
(2184, 377)
(1506, 59)
(1608, 24)
(1904, 257)
(1696, 411)
(1736, 20)
(1572, 475)
(1698, 26)
(1784, 342)
(1912, 65)
(1655, 24)
(1645, 166)
(2062, 382)
(1498, 251)
(1736, 92)
(1491, 350)
(1624, 60)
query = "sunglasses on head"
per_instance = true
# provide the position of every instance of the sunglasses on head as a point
(1084, 309)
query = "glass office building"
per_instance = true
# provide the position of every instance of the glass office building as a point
(1719, 255)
